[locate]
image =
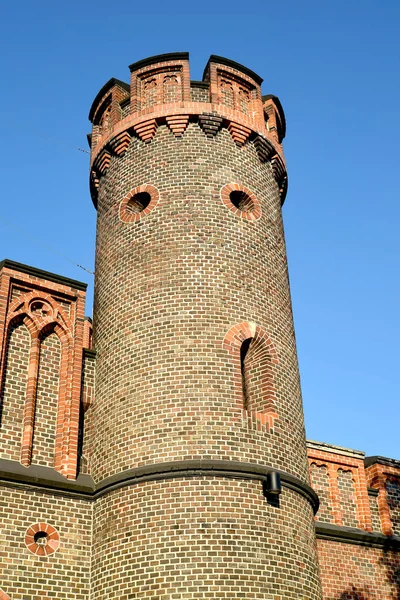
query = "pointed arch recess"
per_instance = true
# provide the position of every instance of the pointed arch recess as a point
(262, 413)
(47, 398)
(12, 408)
(52, 319)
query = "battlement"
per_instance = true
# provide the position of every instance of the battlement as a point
(354, 490)
(161, 93)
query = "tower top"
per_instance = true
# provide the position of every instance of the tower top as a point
(160, 91)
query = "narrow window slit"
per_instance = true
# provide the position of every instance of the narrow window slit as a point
(243, 353)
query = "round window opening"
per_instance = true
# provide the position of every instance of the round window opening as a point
(242, 201)
(42, 539)
(138, 203)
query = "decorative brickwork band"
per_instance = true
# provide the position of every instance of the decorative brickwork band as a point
(146, 130)
(210, 124)
(103, 161)
(384, 475)
(178, 124)
(120, 143)
(241, 201)
(138, 203)
(239, 133)
(95, 178)
(254, 358)
(264, 148)
(42, 539)
(343, 494)
(40, 314)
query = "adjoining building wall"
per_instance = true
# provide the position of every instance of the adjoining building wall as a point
(27, 571)
(352, 572)
(357, 523)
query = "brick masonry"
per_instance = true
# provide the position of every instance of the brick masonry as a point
(134, 457)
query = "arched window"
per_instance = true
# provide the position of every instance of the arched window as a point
(255, 358)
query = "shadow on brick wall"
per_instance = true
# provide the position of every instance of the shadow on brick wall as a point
(390, 567)
(390, 560)
(353, 594)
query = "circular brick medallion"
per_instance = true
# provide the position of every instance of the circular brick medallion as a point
(138, 202)
(42, 539)
(242, 201)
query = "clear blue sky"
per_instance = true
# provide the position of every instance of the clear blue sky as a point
(335, 67)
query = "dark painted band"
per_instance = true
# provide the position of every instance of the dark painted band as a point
(359, 537)
(200, 84)
(13, 473)
(235, 65)
(158, 58)
(381, 460)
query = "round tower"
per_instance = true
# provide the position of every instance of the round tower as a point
(198, 447)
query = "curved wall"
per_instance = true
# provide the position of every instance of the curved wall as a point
(188, 277)
(168, 289)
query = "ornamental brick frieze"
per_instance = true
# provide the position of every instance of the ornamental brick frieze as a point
(344, 493)
(120, 143)
(178, 124)
(210, 123)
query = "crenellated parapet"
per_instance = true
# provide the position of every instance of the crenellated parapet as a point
(354, 490)
(161, 94)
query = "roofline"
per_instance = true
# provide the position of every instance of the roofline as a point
(158, 58)
(280, 110)
(382, 460)
(235, 65)
(107, 86)
(15, 266)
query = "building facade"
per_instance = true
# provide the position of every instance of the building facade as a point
(163, 455)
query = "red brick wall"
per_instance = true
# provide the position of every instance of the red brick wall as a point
(338, 476)
(351, 572)
(357, 570)
(41, 339)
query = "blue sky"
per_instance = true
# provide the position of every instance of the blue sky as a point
(335, 67)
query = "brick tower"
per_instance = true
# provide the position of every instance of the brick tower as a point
(169, 461)
(196, 436)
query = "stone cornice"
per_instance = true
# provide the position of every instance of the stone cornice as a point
(13, 474)
(47, 480)
(359, 537)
